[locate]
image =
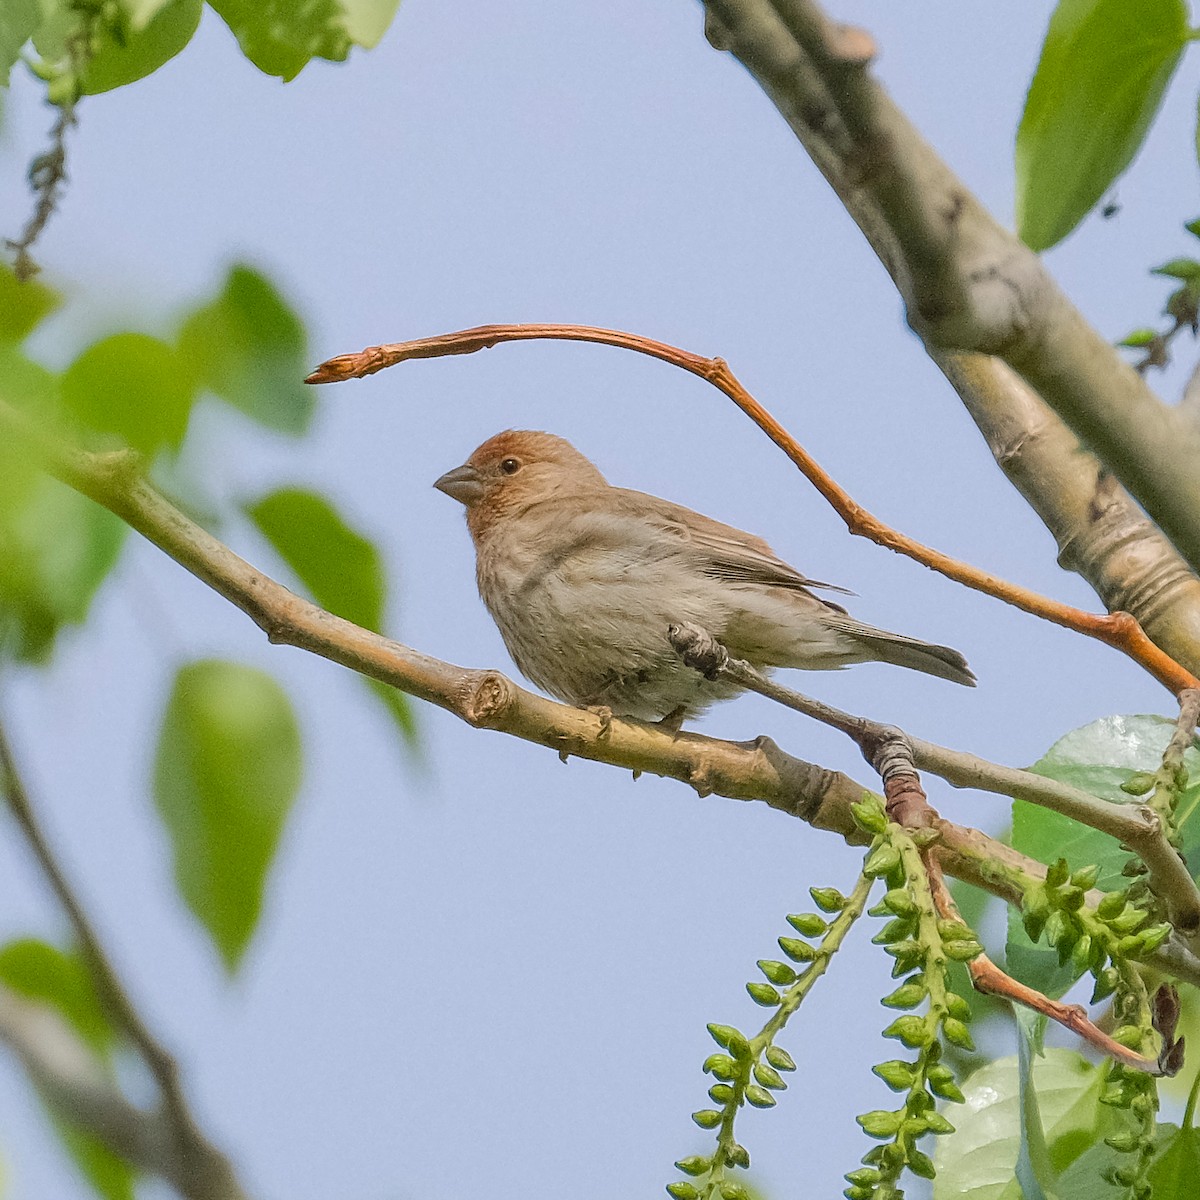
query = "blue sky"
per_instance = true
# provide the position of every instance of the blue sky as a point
(491, 975)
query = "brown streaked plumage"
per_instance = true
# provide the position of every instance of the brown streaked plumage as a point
(583, 579)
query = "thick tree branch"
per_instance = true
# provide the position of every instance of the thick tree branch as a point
(970, 285)
(186, 1156)
(1118, 630)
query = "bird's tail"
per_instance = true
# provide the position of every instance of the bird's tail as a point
(903, 651)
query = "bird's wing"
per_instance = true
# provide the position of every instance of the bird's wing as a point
(724, 552)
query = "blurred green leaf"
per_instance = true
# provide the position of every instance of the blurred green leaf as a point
(134, 386)
(337, 564)
(56, 548)
(1034, 1170)
(1176, 1167)
(1097, 758)
(280, 36)
(22, 305)
(978, 1161)
(18, 21)
(1138, 338)
(61, 979)
(1103, 69)
(143, 47)
(1178, 268)
(249, 348)
(339, 567)
(227, 771)
(110, 1177)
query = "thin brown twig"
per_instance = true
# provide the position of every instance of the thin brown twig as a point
(989, 979)
(197, 1158)
(1119, 629)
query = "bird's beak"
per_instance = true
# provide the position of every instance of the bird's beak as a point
(462, 484)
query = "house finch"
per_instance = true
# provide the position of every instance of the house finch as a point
(583, 580)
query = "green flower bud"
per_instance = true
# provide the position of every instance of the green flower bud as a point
(941, 1083)
(828, 900)
(682, 1191)
(707, 1118)
(881, 860)
(962, 951)
(797, 950)
(769, 1077)
(1154, 937)
(858, 1193)
(1071, 898)
(779, 1058)
(909, 951)
(1129, 1035)
(1111, 905)
(1106, 983)
(911, 1030)
(1127, 920)
(1085, 878)
(1124, 1143)
(721, 1034)
(764, 994)
(880, 1123)
(1116, 1095)
(958, 1006)
(1035, 923)
(957, 1034)
(1138, 784)
(869, 815)
(912, 1128)
(1081, 955)
(1129, 946)
(921, 1164)
(808, 924)
(1059, 930)
(907, 995)
(759, 1097)
(722, 1066)
(938, 1124)
(695, 1165)
(898, 902)
(738, 1156)
(954, 931)
(896, 930)
(863, 1177)
(896, 1073)
(733, 1191)
(777, 972)
(1057, 873)
(721, 1093)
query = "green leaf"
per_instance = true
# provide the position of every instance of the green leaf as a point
(111, 1177)
(1179, 268)
(338, 566)
(134, 386)
(60, 978)
(151, 39)
(18, 21)
(23, 305)
(227, 770)
(978, 1161)
(56, 548)
(1103, 69)
(1034, 1169)
(1098, 758)
(250, 349)
(1176, 1166)
(280, 37)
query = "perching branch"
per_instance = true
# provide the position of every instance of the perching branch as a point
(968, 284)
(1136, 825)
(756, 770)
(183, 1154)
(1118, 630)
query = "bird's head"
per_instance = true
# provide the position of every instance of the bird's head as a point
(515, 469)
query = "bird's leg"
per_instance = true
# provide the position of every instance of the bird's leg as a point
(604, 713)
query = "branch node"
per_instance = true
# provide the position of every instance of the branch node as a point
(489, 696)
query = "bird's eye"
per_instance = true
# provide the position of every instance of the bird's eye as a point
(510, 466)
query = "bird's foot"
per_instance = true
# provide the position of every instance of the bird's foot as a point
(605, 714)
(673, 721)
